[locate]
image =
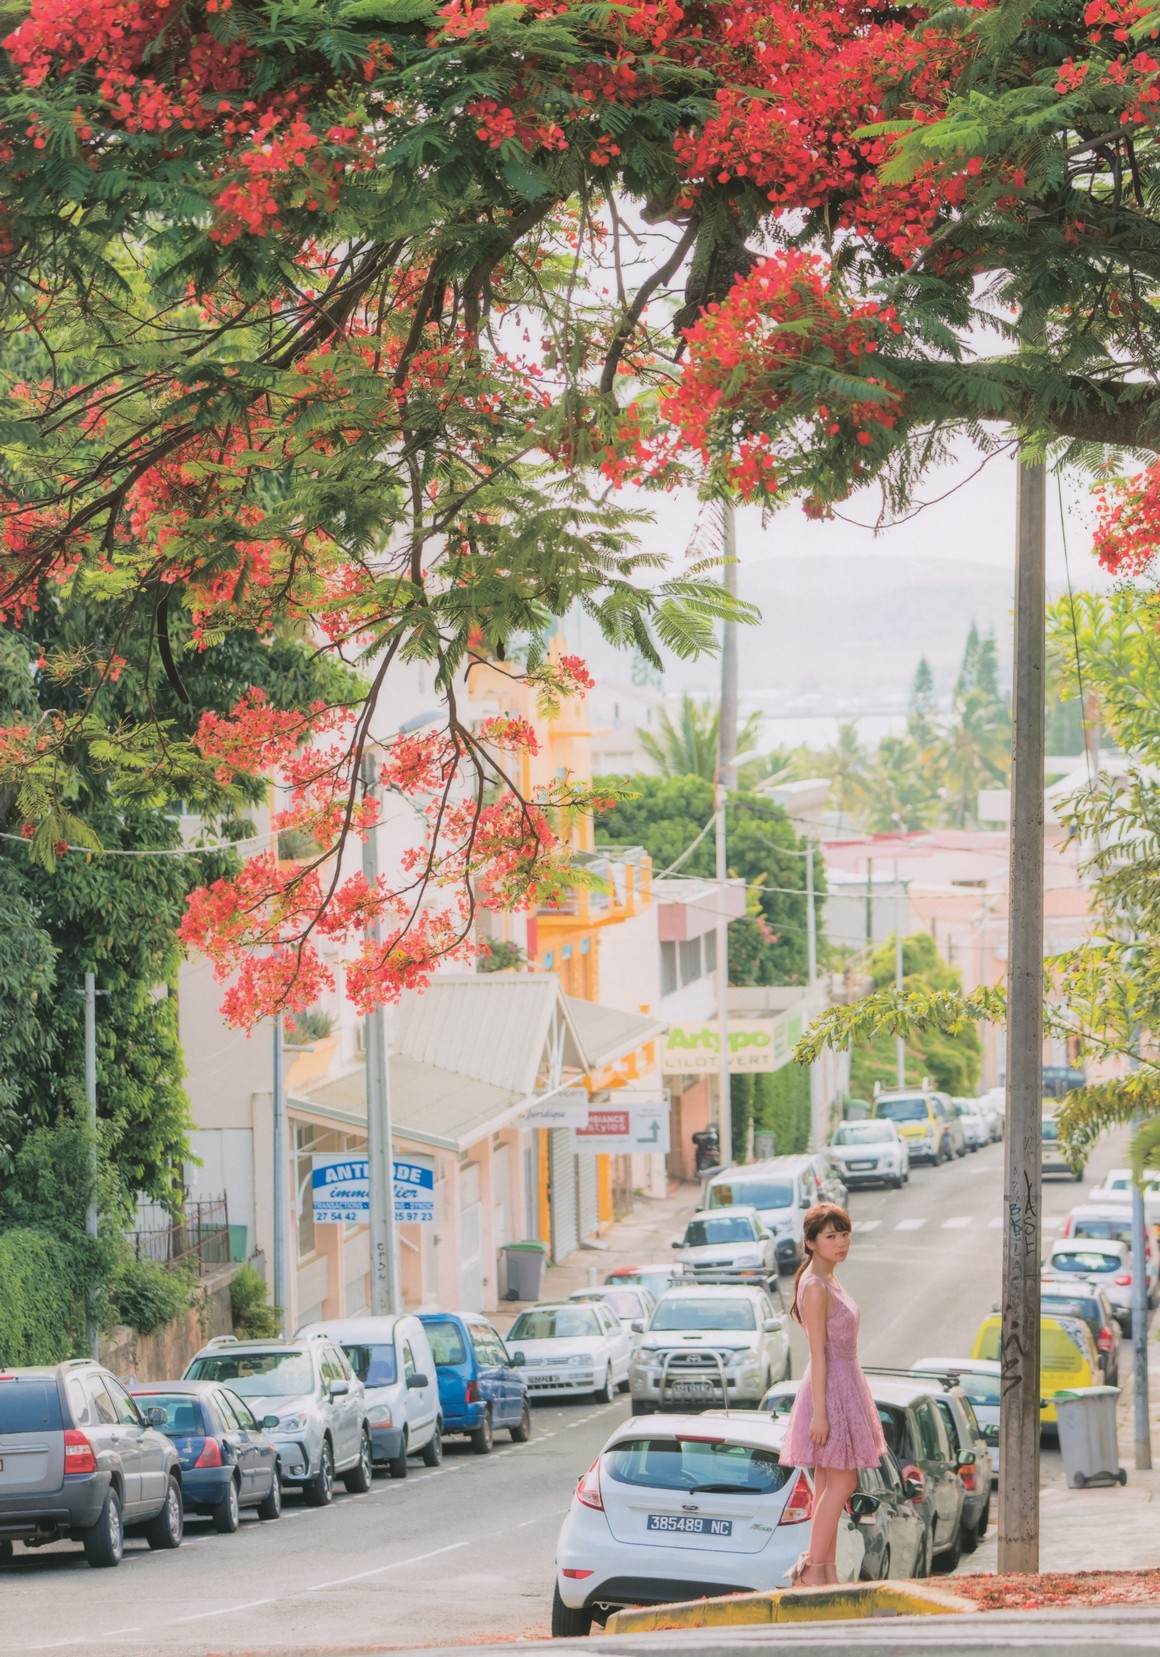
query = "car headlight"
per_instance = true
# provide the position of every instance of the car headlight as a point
(380, 1416)
(579, 1360)
(743, 1260)
(292, 1424)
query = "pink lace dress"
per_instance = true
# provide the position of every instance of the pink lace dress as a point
(855, 1431)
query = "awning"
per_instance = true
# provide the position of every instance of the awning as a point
(430, 1105)
(606, 1034)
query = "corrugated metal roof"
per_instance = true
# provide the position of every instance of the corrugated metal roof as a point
(428, 1104)
(493, 1026)
(607, 1034)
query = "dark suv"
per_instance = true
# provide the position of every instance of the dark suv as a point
(917, 1436)
(79, 1462)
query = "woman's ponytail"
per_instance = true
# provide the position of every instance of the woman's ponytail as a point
(807, 1251)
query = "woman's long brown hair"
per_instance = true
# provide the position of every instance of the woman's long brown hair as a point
(817, 1219)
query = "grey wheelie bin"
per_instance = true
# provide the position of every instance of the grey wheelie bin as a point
(1087, 1436)
(521, 1270)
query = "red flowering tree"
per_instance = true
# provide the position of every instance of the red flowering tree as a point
(341, 319)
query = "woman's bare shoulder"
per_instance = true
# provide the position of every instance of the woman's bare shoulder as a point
(808, 1283)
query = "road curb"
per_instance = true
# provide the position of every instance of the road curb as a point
(840, 1603)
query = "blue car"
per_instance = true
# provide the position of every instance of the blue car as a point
(480, 1389)
(227, 1461)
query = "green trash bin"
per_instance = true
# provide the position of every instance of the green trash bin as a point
(1087, 1436)
(521, 1270)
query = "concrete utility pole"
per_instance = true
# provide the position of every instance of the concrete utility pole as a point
(900, 1040)
(869, 902)
(1022, 1239)
(92, 1218)
(1141, 1422)
(818, 1104)
(725, 779)
(385, 1296)
(281, 1217)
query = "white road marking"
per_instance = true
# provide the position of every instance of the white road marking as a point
(910, 1225)
(957, 1222)
(995, 1224)
(867, 1225)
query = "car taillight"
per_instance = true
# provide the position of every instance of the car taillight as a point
(210, 1455)
(588, 1490)
(78, 1452)
(967, 1474)
(800, 1506)
(1104, 1339)
(576, 1576)
(473, 1392)
(1122, 1279)
(914, 1482)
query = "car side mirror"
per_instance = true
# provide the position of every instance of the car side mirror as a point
(966, 1458)
(339, 1389)
(914, 1483)
(637, 1327)
(772, 1325)
(804, 1202)
(863, 1505)
(418, 1380)
(518, 1360)
(269, 1422)
(155, 1416)
(678, 1245)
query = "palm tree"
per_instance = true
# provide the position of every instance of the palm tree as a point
(975, 750)
(688, 746)
(901, 791)
(846, 766)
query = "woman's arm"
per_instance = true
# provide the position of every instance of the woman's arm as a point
(815, 1305)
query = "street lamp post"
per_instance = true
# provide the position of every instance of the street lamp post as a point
(385, 1297)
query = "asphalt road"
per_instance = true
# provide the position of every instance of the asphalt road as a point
(464, 1553)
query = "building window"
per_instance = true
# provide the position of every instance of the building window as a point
(710, 942)
(669, 982)
(690, 959)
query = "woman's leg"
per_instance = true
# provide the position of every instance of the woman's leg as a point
(831, 1493)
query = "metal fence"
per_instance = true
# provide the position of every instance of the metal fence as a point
(201, 1238)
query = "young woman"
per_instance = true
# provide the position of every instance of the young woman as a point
(833, 1426)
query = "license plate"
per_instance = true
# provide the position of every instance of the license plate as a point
(853, 1166)
(690, 1524)
(692, 1389)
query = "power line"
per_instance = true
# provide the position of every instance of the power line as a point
(153, 851)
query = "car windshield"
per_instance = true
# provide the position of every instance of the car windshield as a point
(29, 1404)
(374, 1365)
(1111, 1231)
(755, 1193)
(862, 1133)
(1084, 1261)
(256, 1374)
(555, 1323)
(446, 1338)
(695, 1464)
(778, 1404)
(725, 1228)
(720, 1313)
(913, 1109)
(982, 1390)
(1059, 1349)
(1050, 1130)
(183, 1414)
(1058, 1306)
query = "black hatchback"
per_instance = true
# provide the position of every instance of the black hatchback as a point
(227, 1461)
(79, 1461)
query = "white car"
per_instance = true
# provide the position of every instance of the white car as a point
(975, 1124)
(870, 1153)
(632, 1303)
(392, 1358)
(703, 1338)
(1095, 1260)
(1117, 1188)
(728, 1244)
(692, 1506)
(564, 1349)
(993, 1106)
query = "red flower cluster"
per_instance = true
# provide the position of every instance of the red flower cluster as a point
(1127, 536)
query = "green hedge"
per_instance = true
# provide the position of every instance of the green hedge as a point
(43, 1288)
(775, 1101)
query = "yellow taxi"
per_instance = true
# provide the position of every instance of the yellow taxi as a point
(1067, 1357)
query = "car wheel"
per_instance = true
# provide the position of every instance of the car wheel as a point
(641, 1409)
(433, 1449)
(6, 1552)
(362, 1475)
(922, 1563)
(603, 1395)
(906, 1177)
(522, 1433)
(948, 1560)
(788, 1375)
(227, 1515)
(104, 1542)
(271, 1505)
(984, 1520)
(969, 1536)
(623, 1386)
(566, 1623)
(319, 1491)
(397, 1466)
(884, 1573)
(167, 1529)
(896, 1183)
(483, 1438)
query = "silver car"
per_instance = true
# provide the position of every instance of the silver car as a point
(724, 1344)
(318, 1402)
(729, 1245)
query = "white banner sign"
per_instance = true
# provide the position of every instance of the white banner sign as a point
(340, 1186)
(754, 1044)
(563, 1110)
(624, 1130)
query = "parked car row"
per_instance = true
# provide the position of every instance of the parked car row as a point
(83, 1458)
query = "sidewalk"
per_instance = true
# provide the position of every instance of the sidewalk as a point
(642, 1238)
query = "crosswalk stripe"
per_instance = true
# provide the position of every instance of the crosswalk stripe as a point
(956, 1222)
(909, 1225)
(996, 1224)
(867, 1225)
